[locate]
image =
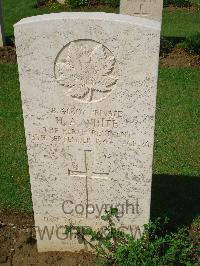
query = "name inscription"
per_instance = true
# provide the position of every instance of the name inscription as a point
(75, 125)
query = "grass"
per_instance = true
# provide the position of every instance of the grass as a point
(180, 23)
(176, 139)
(175, 23)
(15, 188)
(25, 8)
(177, 123)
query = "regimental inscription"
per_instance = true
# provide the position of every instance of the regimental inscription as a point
(95, 127)
(86, 69)
(88, 173)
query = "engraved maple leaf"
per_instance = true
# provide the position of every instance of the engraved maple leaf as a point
(84, 70)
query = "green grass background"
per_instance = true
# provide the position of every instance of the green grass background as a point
(176, 150)
(180, 23)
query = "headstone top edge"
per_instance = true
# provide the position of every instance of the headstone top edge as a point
(91, 16)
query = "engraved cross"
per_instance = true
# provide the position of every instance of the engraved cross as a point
(88, 173)
(141, 12)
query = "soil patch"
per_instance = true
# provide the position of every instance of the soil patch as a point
(178, 57)
(8, 55)
(18, 245)
(176, 8)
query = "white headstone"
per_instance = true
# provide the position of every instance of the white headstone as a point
(151, 9)
(88, 84)
(2, 37)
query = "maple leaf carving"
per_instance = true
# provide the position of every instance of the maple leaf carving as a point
(85, 69)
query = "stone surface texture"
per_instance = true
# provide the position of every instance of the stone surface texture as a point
(2, 37)
(150, 9)
(88, 86)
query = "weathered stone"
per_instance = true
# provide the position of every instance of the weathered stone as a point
(151, 9)
(88, 86)
(3, 259)
(2, 37)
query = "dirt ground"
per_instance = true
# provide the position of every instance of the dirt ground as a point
(18, 246)
(176, 8)
(8, 55)
(178, 57)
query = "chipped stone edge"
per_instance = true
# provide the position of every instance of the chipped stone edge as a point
(138, 21)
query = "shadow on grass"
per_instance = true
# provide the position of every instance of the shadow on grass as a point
(10, 40)
(167, 44)
(40, 3)
(177, 197)
(174, 40)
